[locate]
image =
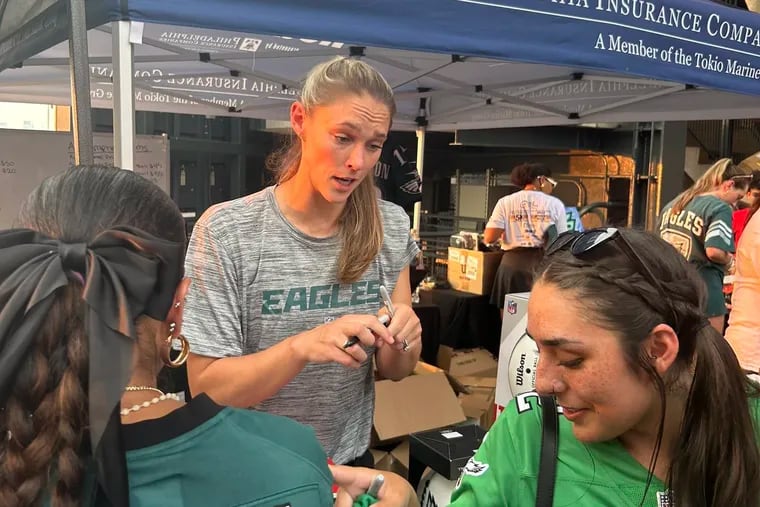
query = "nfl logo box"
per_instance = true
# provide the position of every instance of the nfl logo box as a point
(518, 354)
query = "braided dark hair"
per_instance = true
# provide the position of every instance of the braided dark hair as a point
(44, 442)
(46, 413)
(713, 463)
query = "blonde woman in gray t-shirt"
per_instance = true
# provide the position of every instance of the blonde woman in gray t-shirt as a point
(284, 278)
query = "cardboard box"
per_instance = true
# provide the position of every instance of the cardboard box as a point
(467, 362)
(416, 403)
(515, 309)
(396, 460)
(400, 455)
(478, 399)
(423, 368)
(382, 459)
(471, 271)
(518, 353)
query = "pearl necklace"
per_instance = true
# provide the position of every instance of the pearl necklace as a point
(143, 388)
(146, 404)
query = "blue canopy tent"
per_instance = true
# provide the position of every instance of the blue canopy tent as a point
(454, 64)
(656, 39)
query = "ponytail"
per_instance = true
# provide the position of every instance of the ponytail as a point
(45, 415)
(361, 232)
(719, 172)
(716, 460)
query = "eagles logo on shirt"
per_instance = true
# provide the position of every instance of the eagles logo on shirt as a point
(679, 240)
(474, 468)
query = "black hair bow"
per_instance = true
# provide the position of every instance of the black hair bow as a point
(126, 273)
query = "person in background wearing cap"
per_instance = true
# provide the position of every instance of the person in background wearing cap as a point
(283, 311)
(523, 221)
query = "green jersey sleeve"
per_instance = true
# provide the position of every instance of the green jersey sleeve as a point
(480, 485)
(719, 232)
(493, 477)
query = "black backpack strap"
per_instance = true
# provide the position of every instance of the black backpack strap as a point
(547, 467)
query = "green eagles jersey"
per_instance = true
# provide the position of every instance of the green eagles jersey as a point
(204, 455)
(233, 458)
(504, 471)
(704, 222)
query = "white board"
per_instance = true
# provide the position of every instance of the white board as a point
(29, 156)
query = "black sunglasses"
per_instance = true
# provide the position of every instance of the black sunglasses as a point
(581, 243)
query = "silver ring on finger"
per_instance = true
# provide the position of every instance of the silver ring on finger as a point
(404, 345)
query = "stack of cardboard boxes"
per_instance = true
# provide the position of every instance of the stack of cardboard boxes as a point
(463, 389)
(473, 376)
(420, 402)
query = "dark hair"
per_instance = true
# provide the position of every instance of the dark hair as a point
(46, 412)
(754, 183)
(714, 463)
(525, 174)
(753, 209)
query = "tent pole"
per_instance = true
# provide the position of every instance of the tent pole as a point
(81, 114)
(123, 96)
(420, 163)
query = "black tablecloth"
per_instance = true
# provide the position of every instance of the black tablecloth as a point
(467, 320)
(430, 319)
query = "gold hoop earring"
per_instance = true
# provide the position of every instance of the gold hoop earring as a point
(184, 352)
(166, 353)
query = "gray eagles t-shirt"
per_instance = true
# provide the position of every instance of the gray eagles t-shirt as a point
(256, 280)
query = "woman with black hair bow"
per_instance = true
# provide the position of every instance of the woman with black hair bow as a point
(91, 300)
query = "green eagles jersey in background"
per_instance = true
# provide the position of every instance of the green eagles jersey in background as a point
(704, 222)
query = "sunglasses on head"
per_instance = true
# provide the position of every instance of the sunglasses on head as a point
(743, 178)
(550, 181)
(581, 243)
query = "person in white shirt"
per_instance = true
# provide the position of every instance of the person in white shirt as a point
(523, 221)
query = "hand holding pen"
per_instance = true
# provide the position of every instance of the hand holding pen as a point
(330, 342)
(389, 489)
(404, 325)
(384, 319)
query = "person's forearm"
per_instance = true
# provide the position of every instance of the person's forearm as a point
(490, 235)
(718, 256)
(394, 364)
(245, 381)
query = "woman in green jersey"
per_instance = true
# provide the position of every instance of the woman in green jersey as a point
(698, 223)
(655, 408)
